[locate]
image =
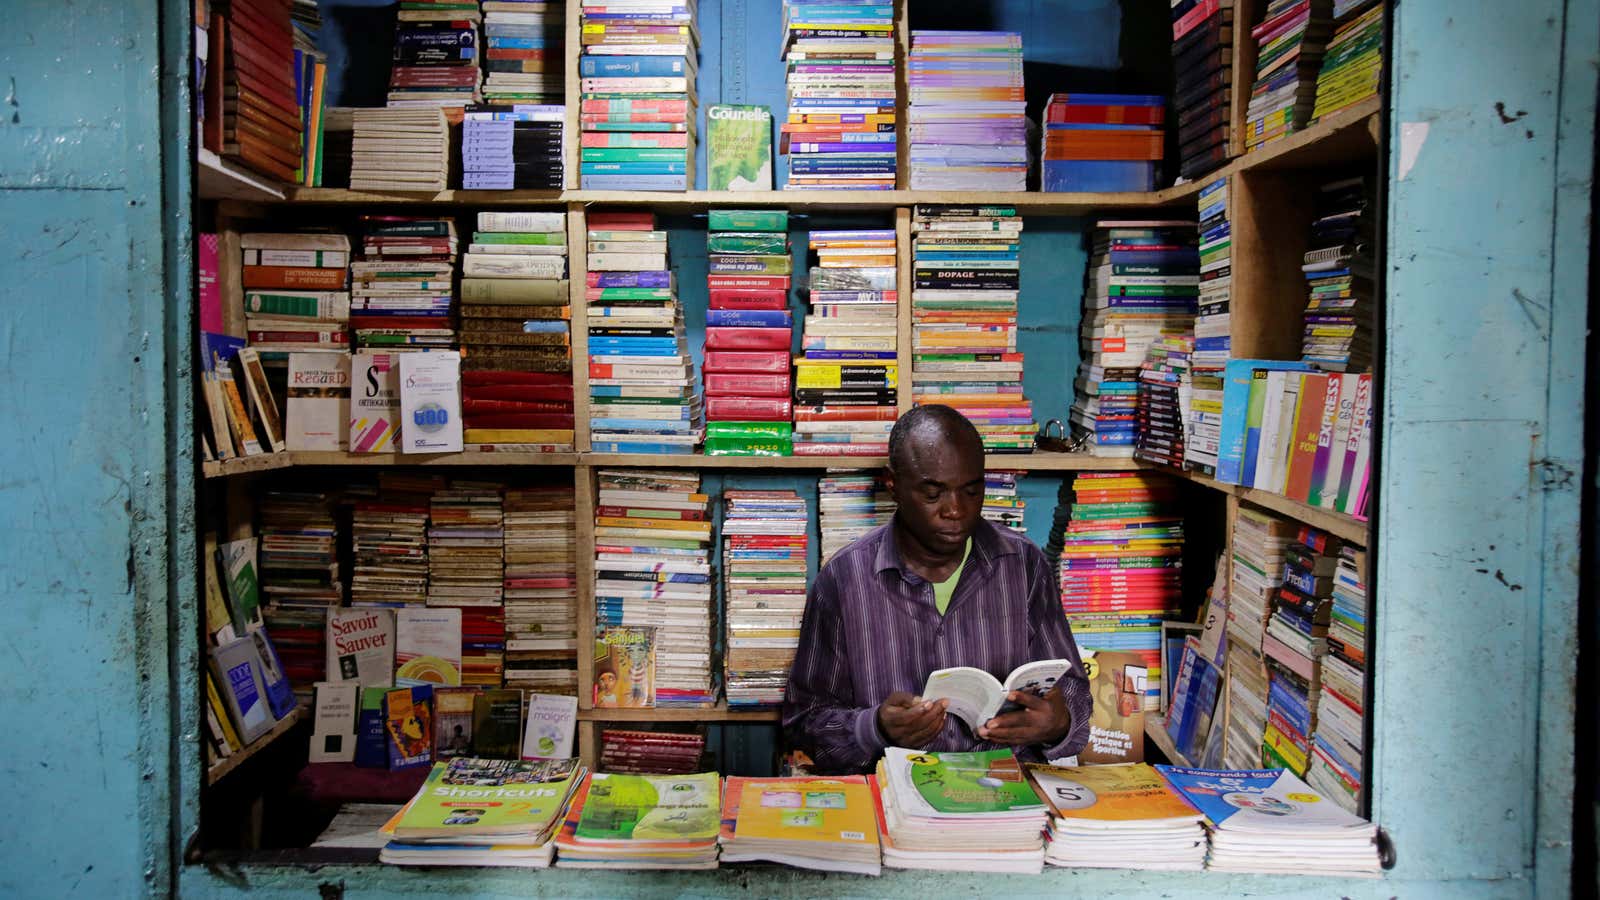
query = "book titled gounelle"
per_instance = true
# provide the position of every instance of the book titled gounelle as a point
(739, 148)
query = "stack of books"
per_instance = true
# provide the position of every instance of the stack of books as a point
(1352, 66)
(513, 148)
(959, 811)
(296, 291)
(809, 823)
(1294, 645)
(524, 803)
(643, 85)
(1259, 543)
(1118, 817)
(1213, 341)
(641, 376)
(251, 114)
(849, 506)
(1336, 762)
(966, 117)
(466, 568)
(1102, 142)
(1290, 42)
(1202, 60)
(964, 320)
(436, 51)
(524, 54)
(298, 566)
(840, 60)
(764, 577)
(1002, 502)
(642, 822)
(1122, 564)
(403, 291)
(399, 150)
(541, 590)
(653, 571)
(389, 539)
(651, 752)
(747, 403)
(1166, 401)
(1339, 271)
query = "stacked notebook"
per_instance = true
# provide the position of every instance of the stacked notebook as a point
(1202, 60)
(1352, 65)
(541, 590)
(436, 52)
(809, 823)
(1102, 142)
(1259, 544)
(959, 812)
(967, 122)
(651, 752)
(638, 70)
(1118, 817)
(840, 60)
(466, 568)
(1339, 269)
(403, 291)
(1290, 42)
(512, 148)
(748, 329)
(296, 291)
(389, 534)
(643, 822)
(1002, 502)
(1213, 341)
(524, 54)
(400, 150)
(1336, 762)
(764, 576)
(523, 804)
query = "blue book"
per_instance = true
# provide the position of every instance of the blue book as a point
(641, 426)
(639, 447)
(372, 740)
(749, 318)
(634, 168)
(632, 66)
(1232, 454)
(850, 354)
(516, 43)
(1076, 99)
(275, 683)
(405, 748)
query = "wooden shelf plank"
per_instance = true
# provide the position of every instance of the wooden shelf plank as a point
(218, 179)
(245, 465)
(1347, 528)
(1155, 728)
(252, 464)
(285, 725)
(720, 713)
(1349, 135)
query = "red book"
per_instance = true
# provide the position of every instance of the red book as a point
(1303, 439)
(472, 406)
(763, 361)
(732, 299)
(846, 413)
(747, 338)
(603, 107)
(491, 376)
(687, 515)
(749, 282)
(299, 337)
(747, 385)
(611, 220)
(748, 409)
(1096, 114)
(665, 139)
(546, 393)
(536, 420)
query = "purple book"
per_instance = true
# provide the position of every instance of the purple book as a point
(630, 279)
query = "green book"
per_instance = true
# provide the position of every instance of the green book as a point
(739, 148)
(237, 562)
(634, 154)
(651, 807)
(741, 242)
(749, 429)
(548, 239)
(748, 220)
(984, 781)
(758, 446)
(518, 798)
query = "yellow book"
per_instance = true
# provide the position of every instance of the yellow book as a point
(220, 710)
(517, 436)
(812, 809)
(1115, 793)
(701, 528)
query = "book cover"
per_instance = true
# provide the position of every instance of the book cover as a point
(427, 647)
(430, 402)
(236, 560)
(1117, 685)
(738, 148)
(333, 723)
(408, 725)
(1308, 414)
(238, 671)
(274, 682)
(624, 667)
(319, 401)
(517, 798)
(374, 403)
(452, 721)
(497, 724)
(372, 740)
(552, 723)
(1269, 801)
(360, 646)
(929, 783)
(651, 808)
(1239, 376)
(809, 809)
(1132, 792)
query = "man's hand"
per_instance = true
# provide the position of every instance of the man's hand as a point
(909, 721)
(1042, 720)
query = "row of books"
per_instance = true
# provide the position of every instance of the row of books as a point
(1314, 58)
(966, 112)
(1102, 142)
(748, 334)
(839, 61)
(1202, 97)
(451, 54)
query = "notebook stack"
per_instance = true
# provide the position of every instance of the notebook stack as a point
(1002, 502)
(764, 575)
(296, 291)
(1290, 41)
(1166, 401)
(1118, 817)
(1339, 269)
(966, 117)
(840, 62)
(849, 506)
(298, 567)
(643, 822)
(1294, 646)
(466, 568)
(1259, 544)
(641, 377)
(524, 54)
(541, 590)
(1352, 66)
(650, 752)
(748, 334)
(959, 812)
(525, 803)
(389, 537)
(436, 51)
(403, 290)
(964, 320)
(513, 148)
(653, 570)
(1213, 342)
(1122, 564)
(641, 94)
(1102, 142)
(1202, 60)
(1336, 761)
(259, 123)
(809, 823)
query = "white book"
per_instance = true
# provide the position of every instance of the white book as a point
(333, 728)
(531, 222)
(374, 403)
(360, 646)
(427, 645)
(976, 696)
(552, 721)
(627, 262)
(430, 402)
(319, 401)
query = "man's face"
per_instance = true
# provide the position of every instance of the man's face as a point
(939, 487)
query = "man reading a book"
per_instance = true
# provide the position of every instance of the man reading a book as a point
(936, 587)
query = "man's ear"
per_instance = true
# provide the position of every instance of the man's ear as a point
(888, 479)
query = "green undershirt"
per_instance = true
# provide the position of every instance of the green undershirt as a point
(944, 590)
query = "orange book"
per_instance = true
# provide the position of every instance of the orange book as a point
(1303, 439)
(1116, 793)
(294, 277)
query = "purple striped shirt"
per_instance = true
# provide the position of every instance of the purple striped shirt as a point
(871, 629)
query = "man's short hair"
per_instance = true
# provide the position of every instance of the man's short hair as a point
(941, 419)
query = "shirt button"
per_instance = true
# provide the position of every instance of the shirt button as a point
(939, 632)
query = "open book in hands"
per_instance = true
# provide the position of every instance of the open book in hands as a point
(976, 696)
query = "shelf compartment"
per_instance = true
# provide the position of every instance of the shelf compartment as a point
(238, 758)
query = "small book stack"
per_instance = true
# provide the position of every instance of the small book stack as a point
(1290, 41)
(966, 118)
(642, 822)
(1213, 342)
(513, 148)
(298, 565)
(1339, 271)
(849, 506)
(847, 375)
(1294, 645)
(764, 575)
(643, 86)
(541, 590)
(964, 320)
(403, 293)
(641, 376)
(466, 568)
(651, 752)
(809, 823)
(296, 291)
(1166, 401)
(1102, 142)
(436, 51)
(251, 113)
(1352, 66)
(653, 571)
(399, 150)
(840, 63)
(389, 536)
(959, 812)
(748, 410)
(1336, 763)
(1202, 60)
(1118, 817)
(1002, 502)
(524, 804)
(1259, 543)
(524, 53)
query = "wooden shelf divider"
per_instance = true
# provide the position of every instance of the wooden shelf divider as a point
(238, 758)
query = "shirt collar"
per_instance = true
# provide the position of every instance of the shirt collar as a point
(988, 545)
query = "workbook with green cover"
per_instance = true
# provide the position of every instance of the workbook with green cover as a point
(651, 808)
(738, 148)
(960, 784)
(470, 798)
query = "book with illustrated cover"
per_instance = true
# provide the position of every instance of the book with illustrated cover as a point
(518, 799)
(408, 723)
(318, 401)
(427, 647)
(452, 721)
(374, 403)
(739, 148)
(552, 722)
(497, 724)
(624, 667)
(651, 808)
(237, 562)
(360, 646)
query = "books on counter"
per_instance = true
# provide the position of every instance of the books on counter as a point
(651, 752)
(1120, 817)
(839, 60)
(541, 590)
(643, 822)
(973, 811)
(524, 52)
(1202, 60)
(639, 65)
(748, 334)
(809, 823)
(966, 111)
(1339, 274)
(436, 53)
(764, 579)
(1102, 142)
(1291, 39)
(1352, 62)
(513, 147)
(849, 506)
(523, 803)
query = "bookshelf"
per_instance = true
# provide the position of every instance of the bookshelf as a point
(239, 757)
(1155, 731)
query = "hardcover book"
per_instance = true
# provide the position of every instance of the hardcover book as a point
(739, 148)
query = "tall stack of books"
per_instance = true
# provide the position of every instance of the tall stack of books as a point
(1102, 142)
(430, 830)
(764, 575)
(403, 291)
(541, 590)
(615, 822)
(652, 571)
(1213, 341)
(1294, 645)
(1166, 401)
(943, 810)
(964, 320)
(966, 115)
(1202, 60)
(1290, 38)
(748, 412)
(1339, 269)
(1002, 502)
(296, 291)
(1122, 564)
(399, 150)
(436, 52)
(840, 132)
(1352, 66)
(513, 148)
(389, 535)
(641, 377)
(466, 569)
(1336, 762)
(299, 578)
(524, 54)
(643, 85)
(1259, 543)
(847, 374)
(251, 113)
(650, 752)
(516, 337)
(849, 506)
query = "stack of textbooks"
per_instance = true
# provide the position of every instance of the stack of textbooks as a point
(296, 291)
(849, 506)
(389, 542)
(1270, 821)
(1118, 817)
(747, 403)
(972, 811)
(1259, 543)
(641, 376)
(840, 60)
(1166, 401)
(1295, 642)
(403, 289)
(466, 568)
(299, 578)
(652, 572)
(435, 56)
(642, 56)
(651, 752)
(541, 590)
(524, 53)
(1352, 66)
(1336, 762)
(764, 577)
(512, 148)
(1102, 142)
(1213, 341)
(1202, 60)
(809, 823)
(643, 822)
(1339, 270)
(964, 320)
(847, 374)
(1122, 564)
(399, 150)
(1002, 502)
(524, 802)
(966, 111)
(1290, 42)
(251, 115)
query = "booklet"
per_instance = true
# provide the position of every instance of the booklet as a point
(976, 696)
